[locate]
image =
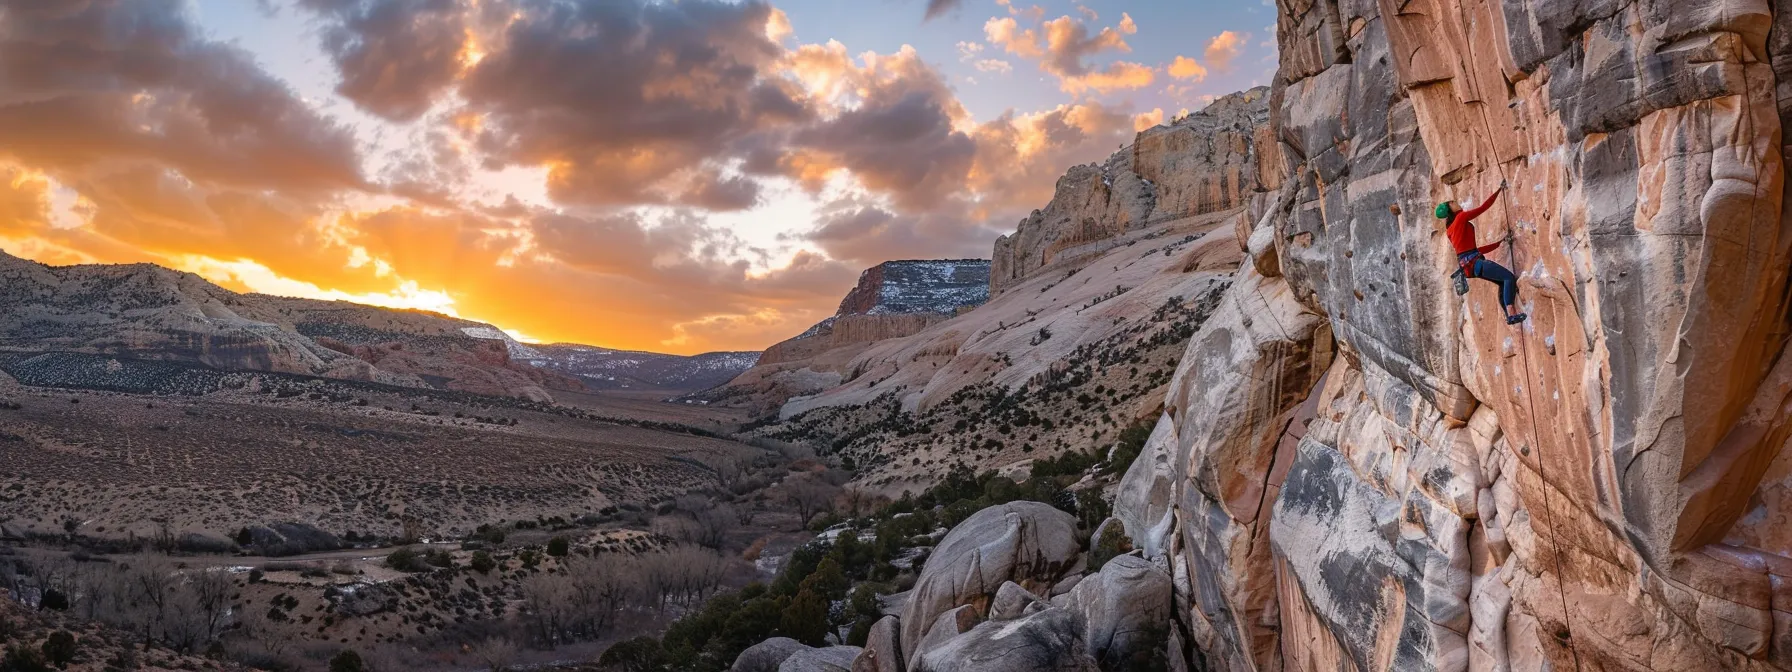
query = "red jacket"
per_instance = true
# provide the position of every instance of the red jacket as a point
(1462, 230)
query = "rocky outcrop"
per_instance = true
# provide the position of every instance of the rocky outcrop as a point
(1197, 165)
(145, 312)
(827, 659)
(1124, 610)
(1028, 543)
(1599, 488)
(766, 656)
(919, 286)
(883, 648)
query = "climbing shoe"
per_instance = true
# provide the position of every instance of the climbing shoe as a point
(1515, 319)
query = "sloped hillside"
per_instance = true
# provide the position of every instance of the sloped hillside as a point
(71, 326)
(1093, 300)
(891, 300)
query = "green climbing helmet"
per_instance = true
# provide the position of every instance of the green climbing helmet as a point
(1443, 210)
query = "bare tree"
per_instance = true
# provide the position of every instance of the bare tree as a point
(809, 497)
(743, 514)
(211, 589)
(713, 525)
(728, 472)
(495, 652)
(276, 636)
(678, 528)
(548, 600)
(148, 586)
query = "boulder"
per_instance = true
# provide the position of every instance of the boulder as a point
(946, 627)
(1143, 501)
(1124, 609)
(1012, 601)
(1029, 543)
(883, 650)
(1047, 640)
(767, 656)
(826, 659)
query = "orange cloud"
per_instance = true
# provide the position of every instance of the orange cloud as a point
(216, 167)
(1007, 34)
(1223, 48)
(1146, 120)
(1119, 76)
(1187, 68)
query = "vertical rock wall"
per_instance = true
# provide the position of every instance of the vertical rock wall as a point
(1201, 164)
(1604, 487)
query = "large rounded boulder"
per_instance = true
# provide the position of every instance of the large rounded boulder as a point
(1029, 543)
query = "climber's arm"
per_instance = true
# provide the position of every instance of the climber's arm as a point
(1484, 249)
(1472, 214)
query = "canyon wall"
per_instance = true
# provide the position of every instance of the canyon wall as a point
(1197, 165)
(1358, 469)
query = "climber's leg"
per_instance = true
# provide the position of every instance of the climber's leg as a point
(1487, 270)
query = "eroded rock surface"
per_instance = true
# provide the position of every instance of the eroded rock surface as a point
(1029, 543)
(1197, 165)
(1599, 488)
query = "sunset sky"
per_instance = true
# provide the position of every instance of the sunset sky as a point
(672, 176)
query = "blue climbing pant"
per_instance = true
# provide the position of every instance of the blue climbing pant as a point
(1479, 266)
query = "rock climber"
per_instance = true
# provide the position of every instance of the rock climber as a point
(1472, 261)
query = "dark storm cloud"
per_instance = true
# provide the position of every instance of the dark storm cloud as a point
(900, 143)
(395, 56)
(618, 97)
(109, 80)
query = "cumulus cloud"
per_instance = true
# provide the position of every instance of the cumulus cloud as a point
(1065, 46)
(182, 151)
(1187, 68)
(1146, 120)
(112, 80)
(682, 87)
(1118, 76)
(1033, 13)
(1223, 48)
(395, 56)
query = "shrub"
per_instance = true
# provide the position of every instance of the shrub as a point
(439, 558)
(24, 659)
(559, 547)
(482, 562)
(53, 600)
(1113, 542)
(60, 648)
(1132, 442)
(347, 661)
(806, 619)
(641, 654)
(406, 560)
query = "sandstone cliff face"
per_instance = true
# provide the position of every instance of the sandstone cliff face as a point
(1198, 165)
(1357, 469)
